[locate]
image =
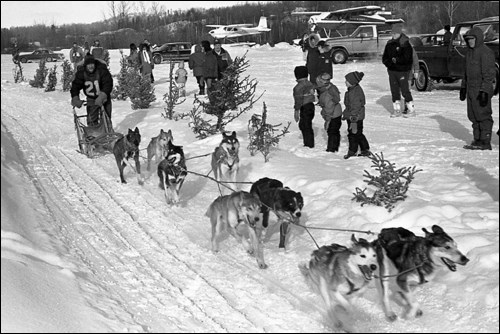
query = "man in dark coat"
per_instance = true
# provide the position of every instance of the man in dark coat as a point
(477, 88)
(210, 72)
(398, 58)
(223, 58)
(97, 83)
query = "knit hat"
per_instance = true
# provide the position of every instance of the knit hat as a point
(217, 42)
(397, 28)
(301, 72)
(354, 77)
(89, 59)
(323, 79)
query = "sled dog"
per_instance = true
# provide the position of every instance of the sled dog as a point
(124, 149)
(225, 160)
(172, 172)
(416, 259)
(157, 147)
(284, 202)
(236, 212)
(339, 273)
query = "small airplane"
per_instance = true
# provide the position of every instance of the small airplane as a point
(238, 30)
(349, 18)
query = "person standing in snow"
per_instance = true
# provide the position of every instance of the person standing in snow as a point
(97, 83)
(312, 62)
(133, 57)
(210, 72)
(75, 55)
(398, 58)
(223, 59)
(98, 51)
(325, 61)
(180, 79)
(331, 110)
(303, 94)
(477, 88)
(196, 61)
(354, 114)
(146, 64)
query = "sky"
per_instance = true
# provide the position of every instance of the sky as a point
(26, 13)
(82, 252)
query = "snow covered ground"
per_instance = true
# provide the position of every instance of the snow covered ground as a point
(82, 252)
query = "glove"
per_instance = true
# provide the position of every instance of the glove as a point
(354, 127)
(76, 102)
(463, 94)
(296, 115)
(483, 99)
(394, 60)
(353, 119)
(101, 99)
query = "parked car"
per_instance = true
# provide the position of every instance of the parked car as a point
(428, 39)
(39, 54)
(446, 63)
(176, 51)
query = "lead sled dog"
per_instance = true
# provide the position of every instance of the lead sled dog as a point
(226, 161)
(158, 146)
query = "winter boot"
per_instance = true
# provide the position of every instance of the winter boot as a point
(475, 145)
(396, 109)
(411, 110)
(365, 153)
(349, 154)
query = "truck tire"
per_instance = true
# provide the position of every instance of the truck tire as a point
(423, 82)
(157, 58)
(339, 56)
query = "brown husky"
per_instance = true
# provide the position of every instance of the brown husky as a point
(157, 147)
(225, 160)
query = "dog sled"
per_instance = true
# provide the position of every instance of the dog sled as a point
(95, 139)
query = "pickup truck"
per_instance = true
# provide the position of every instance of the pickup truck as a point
(446, 63)
(365, 41)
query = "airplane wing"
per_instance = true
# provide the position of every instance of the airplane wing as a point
(214, 25)
(229, 25)
(306, 13)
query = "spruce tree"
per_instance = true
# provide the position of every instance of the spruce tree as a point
(52, 80)
(171, 97)
(142, 93)
(67, 76)
(120, 92)
(40, 75)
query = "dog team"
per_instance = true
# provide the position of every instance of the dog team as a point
(398, 258)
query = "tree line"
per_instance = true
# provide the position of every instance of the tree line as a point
(128, 22)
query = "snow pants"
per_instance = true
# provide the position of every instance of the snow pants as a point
(481, 117)
(357, 139)
(398, 82)
(333, 132)
(305, 124)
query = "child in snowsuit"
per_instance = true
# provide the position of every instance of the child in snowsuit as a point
(303, 94)
(329, 100)
(354, 113)
(180, 79)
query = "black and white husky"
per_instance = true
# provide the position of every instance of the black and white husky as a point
(226, 161)
(415, 260)
(172, 172)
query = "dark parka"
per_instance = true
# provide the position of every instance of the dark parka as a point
(401, 50)
(86, 81)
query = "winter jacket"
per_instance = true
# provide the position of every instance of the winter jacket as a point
(181, 76)
(313, 63)
(76, 54)
(133, 59)
(398, 54)
(329, 100)
(196, 61)
(303, 93)
(210, 65)
(325, 63)
(354, 101)
(223, 61)
(86, 81)
(98, 52)
(146, 63)
(479, 66)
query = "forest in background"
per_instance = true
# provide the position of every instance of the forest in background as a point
(128, 22)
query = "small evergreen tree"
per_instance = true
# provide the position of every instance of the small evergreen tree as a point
(52, 80)
(142, 93)
(18, 72)
(261, 136)
(225, 95)
(40, 75)
(120, 92)
(67, 76)
(171, 97)
(392, 184)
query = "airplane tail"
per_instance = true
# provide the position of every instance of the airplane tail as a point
(263, 24)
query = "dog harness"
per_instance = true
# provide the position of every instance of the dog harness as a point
(224, 158)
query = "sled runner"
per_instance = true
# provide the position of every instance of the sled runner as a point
(95, 138)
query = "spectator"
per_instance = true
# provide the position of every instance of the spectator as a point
(146, 64)
(15, 53)
(133, 57)
(76, 55)
(97, 83)
(354, 113)
(303, 45)
(223, 58)
(181, 78)
(477, 88)
(325, 58)
(312, 62)
(196, 61)
(303, 95)
(86, 48)
(329, 100)
(98, 51)
(398, 58)
(210, 65)
(447, 35)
